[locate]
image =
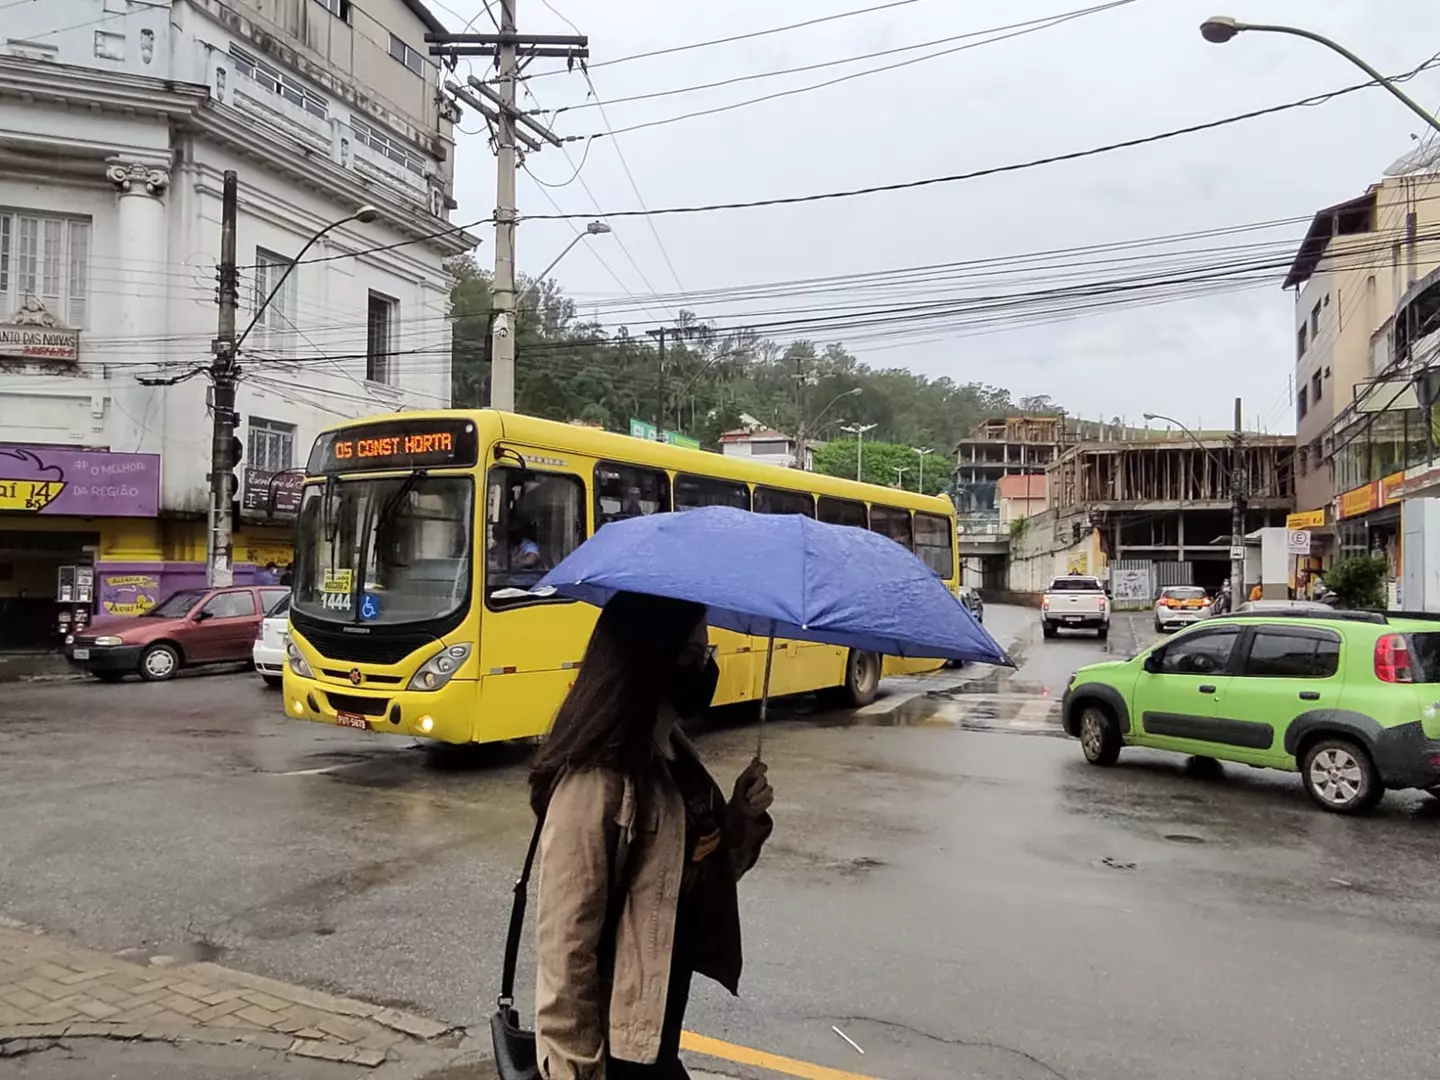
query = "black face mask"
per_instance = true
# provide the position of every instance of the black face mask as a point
(692, 688)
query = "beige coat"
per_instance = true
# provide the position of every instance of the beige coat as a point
(590, 837)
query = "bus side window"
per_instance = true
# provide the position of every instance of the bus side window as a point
(696, 491)
(934, 543)
(891, 522)
(843, 512)
(626, 491)
(779, 501)
(533, 520)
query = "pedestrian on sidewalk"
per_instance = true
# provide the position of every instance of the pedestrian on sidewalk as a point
(640, 852)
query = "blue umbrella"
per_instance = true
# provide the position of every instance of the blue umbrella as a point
(782, 576)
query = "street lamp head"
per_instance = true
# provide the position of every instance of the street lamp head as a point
(851, 393)
(595, 228)
(1150, 416)
(1219, 29)
(366, 214)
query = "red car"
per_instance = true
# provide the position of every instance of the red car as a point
(187, 628)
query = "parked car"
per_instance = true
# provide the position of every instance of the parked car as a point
(970, 597)
(187, 628)
(1181, 605)
(1347, 699)
(270, 641)
(1075, 602)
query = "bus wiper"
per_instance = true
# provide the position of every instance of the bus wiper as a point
(383, 521)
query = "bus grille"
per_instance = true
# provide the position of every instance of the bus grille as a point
(388, 648)
(365, 706)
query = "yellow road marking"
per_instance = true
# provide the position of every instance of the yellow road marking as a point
(744, 1055)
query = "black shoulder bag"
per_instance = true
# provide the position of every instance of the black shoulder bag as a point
(515, 1054)
(515, 1057)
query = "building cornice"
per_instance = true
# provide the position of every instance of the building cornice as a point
(189, 108)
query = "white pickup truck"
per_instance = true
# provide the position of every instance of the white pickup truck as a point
(1075, 602)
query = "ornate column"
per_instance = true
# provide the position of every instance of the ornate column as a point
(138, 421)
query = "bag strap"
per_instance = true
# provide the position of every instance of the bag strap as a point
(517, 922)
(506, 1000)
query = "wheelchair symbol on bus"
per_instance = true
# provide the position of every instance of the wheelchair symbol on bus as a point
(369, 607)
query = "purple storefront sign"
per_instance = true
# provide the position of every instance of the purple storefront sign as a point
(85, 483)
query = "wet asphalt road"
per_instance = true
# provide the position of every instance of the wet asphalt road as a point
(959, 896)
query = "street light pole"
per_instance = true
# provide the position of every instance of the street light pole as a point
(1219, 29)
(224, 373)
(859, 430)
(920, 483)
(801, 457)
(595, 228)
(900, 471)
(1237, 497)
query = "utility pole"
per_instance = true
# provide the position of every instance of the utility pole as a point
(659, 336)
(1237, 511)
(508, 47)
(799, 411)
(223, 371)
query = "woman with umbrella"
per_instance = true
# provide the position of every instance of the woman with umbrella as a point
(639, 852)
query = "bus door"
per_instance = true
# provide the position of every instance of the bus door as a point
(534, 515)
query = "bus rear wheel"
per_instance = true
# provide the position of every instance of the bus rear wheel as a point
(862, 678)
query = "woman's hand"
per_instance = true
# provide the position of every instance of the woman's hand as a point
(753, 793)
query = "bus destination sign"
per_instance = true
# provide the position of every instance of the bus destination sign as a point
(396, 444)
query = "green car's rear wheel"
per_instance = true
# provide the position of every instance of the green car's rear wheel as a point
(1341, 777)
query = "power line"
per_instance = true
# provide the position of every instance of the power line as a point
(634, 187)
(996, 170)
(1020, 29)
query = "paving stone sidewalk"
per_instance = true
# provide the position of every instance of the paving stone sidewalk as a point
(52, 989)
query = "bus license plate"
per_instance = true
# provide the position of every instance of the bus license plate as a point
(350, 719)
(81, 654)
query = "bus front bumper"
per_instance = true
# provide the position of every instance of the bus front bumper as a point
(444, 714)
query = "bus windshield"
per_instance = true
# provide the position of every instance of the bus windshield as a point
(384, 551)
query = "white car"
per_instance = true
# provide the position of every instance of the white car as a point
(270, 641)
(1181, 605)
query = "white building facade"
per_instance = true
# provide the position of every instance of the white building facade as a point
(118, 120)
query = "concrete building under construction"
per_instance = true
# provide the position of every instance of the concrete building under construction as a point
(1168, 501)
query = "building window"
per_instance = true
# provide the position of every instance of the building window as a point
(1315, 387)
(47, 258)
(270, 446)
(1315, 322)
(1302, 460)
(339, 8)
(406, 55)
(379, 344)
(1301, 408)
(269, 78)
(277, 317)
(1300, 340)
(387, 145)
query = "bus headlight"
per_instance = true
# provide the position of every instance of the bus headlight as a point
(438, 670)
(298, 664)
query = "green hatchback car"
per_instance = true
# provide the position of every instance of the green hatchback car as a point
(1350, 700)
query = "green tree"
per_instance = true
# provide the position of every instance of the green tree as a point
(883, 463)
(1359, 581)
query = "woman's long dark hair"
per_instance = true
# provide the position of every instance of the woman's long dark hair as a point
(608, 718)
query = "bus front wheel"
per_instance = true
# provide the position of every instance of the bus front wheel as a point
(862, 678)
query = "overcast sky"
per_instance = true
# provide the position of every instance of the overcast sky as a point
(1132, 71)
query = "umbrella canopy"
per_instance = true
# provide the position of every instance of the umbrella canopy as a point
(785, 575)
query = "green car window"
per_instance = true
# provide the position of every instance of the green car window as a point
(1203, 653)
(1293, 653)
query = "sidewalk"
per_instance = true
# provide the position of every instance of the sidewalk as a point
(58, 995)
(28, 665)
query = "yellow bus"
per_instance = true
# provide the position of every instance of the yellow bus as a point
(421, 535)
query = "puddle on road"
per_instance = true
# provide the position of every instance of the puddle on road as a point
(185, 952)
(1184, 838)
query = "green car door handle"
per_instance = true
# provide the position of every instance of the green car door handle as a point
(1207, 689)
(1309, 695)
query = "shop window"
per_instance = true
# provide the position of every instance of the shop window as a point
(692, 492)
(888, 521)
(934, 543)
(625, 491)
(843, 512)
(770, 500)
(532, 521)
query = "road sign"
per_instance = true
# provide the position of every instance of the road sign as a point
(1297, 542)
(1237, 551)
(640, 429)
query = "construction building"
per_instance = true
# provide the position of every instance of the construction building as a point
(1004, 446)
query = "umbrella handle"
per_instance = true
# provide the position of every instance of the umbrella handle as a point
(765, 693)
